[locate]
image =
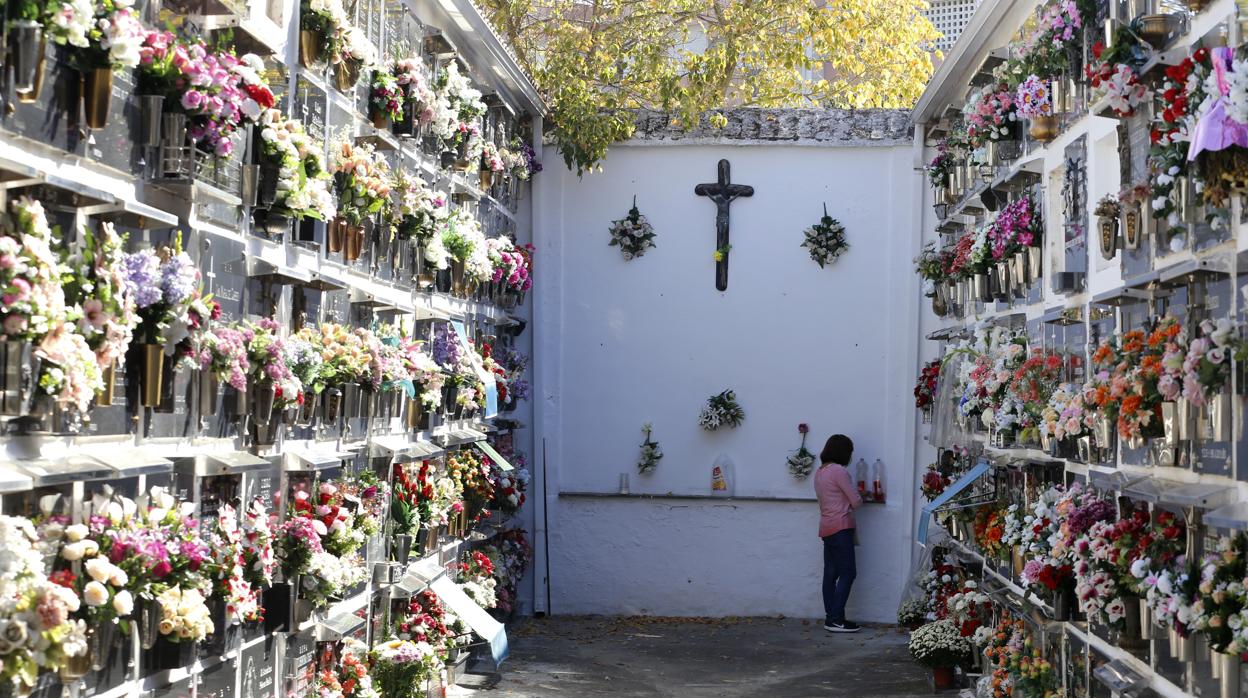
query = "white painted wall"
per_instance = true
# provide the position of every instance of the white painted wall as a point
(621, 343)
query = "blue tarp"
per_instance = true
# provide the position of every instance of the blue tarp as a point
(950, 492)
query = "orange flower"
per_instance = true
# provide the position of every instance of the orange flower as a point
(1131, 404)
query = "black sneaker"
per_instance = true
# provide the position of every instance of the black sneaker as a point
(845, 626)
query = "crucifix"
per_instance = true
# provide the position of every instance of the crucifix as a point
(722, 194)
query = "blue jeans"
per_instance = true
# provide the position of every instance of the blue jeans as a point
(839, 570)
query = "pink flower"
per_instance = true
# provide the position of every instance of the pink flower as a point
(192, 100)
(15, 324)
(93, 311)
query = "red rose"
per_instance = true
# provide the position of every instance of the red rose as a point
(261, 94)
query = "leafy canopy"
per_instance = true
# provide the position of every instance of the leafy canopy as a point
(598, 59)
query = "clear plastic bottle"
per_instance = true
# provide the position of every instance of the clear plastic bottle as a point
(860, 474)
(877, 480)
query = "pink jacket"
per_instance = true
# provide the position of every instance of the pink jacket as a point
(837, 498)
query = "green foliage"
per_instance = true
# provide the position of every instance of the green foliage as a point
(597, 61)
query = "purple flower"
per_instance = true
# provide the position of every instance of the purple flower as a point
(142, 271)
(178, 279)
(446, 348)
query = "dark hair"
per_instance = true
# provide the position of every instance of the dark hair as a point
(838, 449)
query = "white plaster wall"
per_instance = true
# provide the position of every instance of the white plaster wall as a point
(621, 343)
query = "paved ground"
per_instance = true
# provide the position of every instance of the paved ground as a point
(583, 657)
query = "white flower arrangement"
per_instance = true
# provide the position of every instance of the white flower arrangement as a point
(801, 462)
(825, 240)
(633, 234)
(184, 616)
(940, 644)
(651, 454)
(912, 612)
(721, 410)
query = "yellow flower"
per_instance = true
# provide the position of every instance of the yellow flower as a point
(719, 256)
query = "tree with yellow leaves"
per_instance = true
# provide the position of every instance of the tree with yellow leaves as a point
(597, 60)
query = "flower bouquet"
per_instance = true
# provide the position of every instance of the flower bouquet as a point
(721, 410)
(825, 240)
(402, 668)
(925, 388)
(36, 628)
(222, 353)
(39, 325)
(969, 608)
(216, 92)
(411, 74)
(361, 181)
(385, 99)
(294, 180)
(651, 454)
(934, 483)
(472, 474)
(1222, 602)
(1035, 103)
(633, 234)
(475, 575)
(801, 461)
(103, 292)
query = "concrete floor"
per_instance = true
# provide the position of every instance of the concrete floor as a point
(582, 657)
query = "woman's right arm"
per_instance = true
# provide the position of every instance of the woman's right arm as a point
(846, 484)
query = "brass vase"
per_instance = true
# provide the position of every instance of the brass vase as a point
(1131, 226)
(1043, 128)
(309, 48)
(153, 356)
(1155, 29)
(106, 394)
(334, 233)
(487, 178)
(27, 49)
(415, 413)
(380, 120)
(457, 278)
(346, 74)
(1107, 227)
(97, 94)
(353, 242)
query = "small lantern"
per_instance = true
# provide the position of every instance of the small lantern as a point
(941, 209)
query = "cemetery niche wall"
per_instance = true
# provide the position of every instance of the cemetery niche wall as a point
(1081, 387)
(264, 372)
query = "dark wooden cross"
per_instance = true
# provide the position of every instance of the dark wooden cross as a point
(722, 194)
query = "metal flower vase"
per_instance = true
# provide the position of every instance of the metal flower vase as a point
(19, 379)
(97, 96)
(105, 396)
(1043, 128)
(1130, 637)
(346, 74)
(402, 548)
(982, 292)
(1131, 227)
(309, 48)
(1182, 647)
(1228, 669)
(263, 394)
(457, 278)
(149, 623)
(333, 404)
(1220, 409)
(1107, 229)
(209, 392)
(1002, 271)
(1146, 621)
(1018, 270)
(1034, 263)
(307, 411)
(27, 46)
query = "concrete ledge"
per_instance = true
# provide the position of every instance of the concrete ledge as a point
(755, 126)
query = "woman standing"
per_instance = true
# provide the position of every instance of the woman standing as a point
(837, 501)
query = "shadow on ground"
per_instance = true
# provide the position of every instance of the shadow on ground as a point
(695, 658)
